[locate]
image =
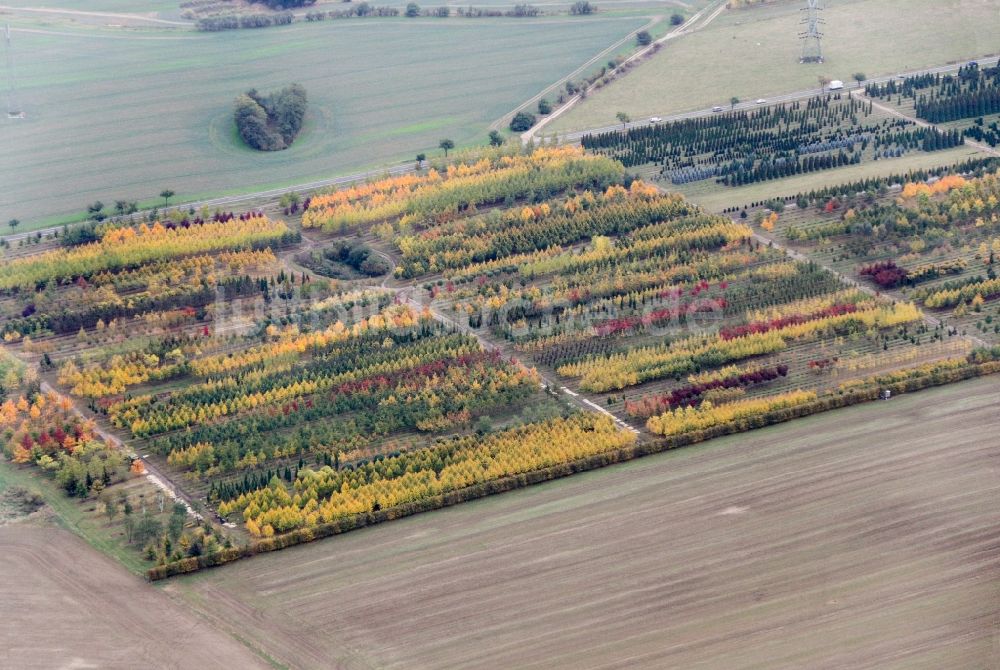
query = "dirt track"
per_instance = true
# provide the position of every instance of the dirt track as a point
(864, 538)
(64, 605)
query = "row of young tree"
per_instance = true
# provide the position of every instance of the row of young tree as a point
(745, 147)
(564, 221)
(643, 363)
(131, 247)
(868, 189)
(497, 178)
(940, 98)
(694, 394)
(324, 495)
(769, 130)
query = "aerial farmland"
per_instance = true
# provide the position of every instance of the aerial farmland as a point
(337, 334)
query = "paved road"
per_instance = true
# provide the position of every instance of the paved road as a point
(686, 28)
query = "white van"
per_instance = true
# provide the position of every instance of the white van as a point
(836, 85)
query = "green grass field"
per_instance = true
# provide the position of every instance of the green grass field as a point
(754, 53)
(716, 197)
(113, 115)
(115, 6)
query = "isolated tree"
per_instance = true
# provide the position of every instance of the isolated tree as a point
(175, 526)
(147, 528)
(96, 211)
(733, 101)
(544, 106)
(252, 124)
(412, 10)
(824, 81)
(643, 38)
(676, 19)
(496, 139)
(447, 145)
(522, 121)
(623, 117)
(110, 508)
(129, 523)
(859, 77)
(420, 160)
(288, 111)
(13, 223)
(166, 194)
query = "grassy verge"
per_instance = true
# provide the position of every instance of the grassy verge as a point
(78, 516)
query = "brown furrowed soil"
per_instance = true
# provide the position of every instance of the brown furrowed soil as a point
(64, 605)
(861, 538)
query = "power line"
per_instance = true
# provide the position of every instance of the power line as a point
(14, 110)
(812, 48)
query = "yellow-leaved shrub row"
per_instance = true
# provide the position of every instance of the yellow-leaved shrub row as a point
(121, 248)
(491, 179)
(686, 419)
(325, 495)
(618, 371)
(291, 345)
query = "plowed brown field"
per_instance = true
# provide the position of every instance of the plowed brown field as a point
(862, 538)
(65, 605)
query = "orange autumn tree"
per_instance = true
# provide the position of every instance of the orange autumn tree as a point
(47, 433)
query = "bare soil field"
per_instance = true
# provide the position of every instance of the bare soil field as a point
(67, 606)
(861, 538)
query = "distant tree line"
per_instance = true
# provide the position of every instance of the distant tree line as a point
(285, 4)
(214, 24)
(364, 10)
(413, 10)
(271, 122)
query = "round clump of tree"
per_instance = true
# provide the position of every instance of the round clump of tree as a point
(522, 121)
(270, 122)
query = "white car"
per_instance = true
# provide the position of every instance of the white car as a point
(655, 119)
(717, 108)
(760, 101)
